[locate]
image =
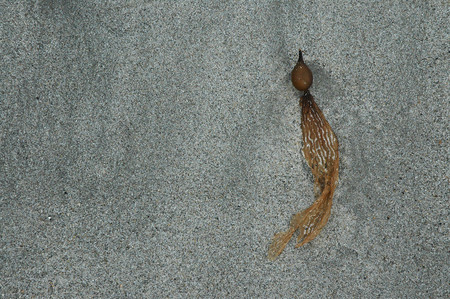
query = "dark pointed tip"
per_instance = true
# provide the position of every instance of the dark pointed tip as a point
(300, 55)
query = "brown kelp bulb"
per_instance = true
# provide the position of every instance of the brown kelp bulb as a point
(301, 75)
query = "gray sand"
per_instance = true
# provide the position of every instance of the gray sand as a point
(152, 149)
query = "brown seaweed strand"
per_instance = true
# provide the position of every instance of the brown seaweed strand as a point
(320, 149)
